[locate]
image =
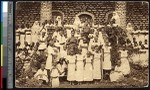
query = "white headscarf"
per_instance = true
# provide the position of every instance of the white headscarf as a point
(116, 17)
(77, 22)
(129, 27)
(36, 27)
(59, 20)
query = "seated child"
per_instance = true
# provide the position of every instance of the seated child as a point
(41, 74)
(117, 74)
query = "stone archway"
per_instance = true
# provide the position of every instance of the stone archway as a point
(109, 15)
(86, 15)
(56, 13)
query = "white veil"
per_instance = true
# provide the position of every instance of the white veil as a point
(36, 27)
(77, 22)
(116, 17)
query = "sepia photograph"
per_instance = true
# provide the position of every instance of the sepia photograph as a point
(81, 44)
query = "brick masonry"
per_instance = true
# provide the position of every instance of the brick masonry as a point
(136, 12)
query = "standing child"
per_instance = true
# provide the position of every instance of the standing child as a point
(79, 67)
(49, 58)
(62, 68)
(71, 68)
(107, 62)
(88, 69)
(96, 65)
(55, 76)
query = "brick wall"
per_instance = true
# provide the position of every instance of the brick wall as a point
(27, 12)
(136, 12)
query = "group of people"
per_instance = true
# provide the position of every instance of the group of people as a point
(80, 54)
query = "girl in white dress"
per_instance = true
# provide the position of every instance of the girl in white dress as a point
(96, 65)
(84, 46)
(49, 60)
(55, 76)
(71, 68)
(22, 37)
(125, 66)
(62, 66)
(88, 69)
(79, 67)
(107, 62)
(35, 30)
(117, 75)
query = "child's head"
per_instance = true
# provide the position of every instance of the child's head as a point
(79, 51)
(96, 48)
(55, 64)
(43, 66)
(118, 62)
(88, 54)
(64, 47)
(72, 32)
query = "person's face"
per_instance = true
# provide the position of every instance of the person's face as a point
(61, 33)
(64, 48)
(42, 51)
(72, 33)
(88, 55)
(43, 34)
(42, 66)
(118, 63)
(114, 14)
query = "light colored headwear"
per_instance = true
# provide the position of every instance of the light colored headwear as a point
(77, 22)
(35, 27)
(116, 17)
(58, 19)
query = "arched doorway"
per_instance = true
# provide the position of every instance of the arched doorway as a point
(109, 16)
(56, 13)
(86, 17)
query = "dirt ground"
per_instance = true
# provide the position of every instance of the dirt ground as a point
(137, 78)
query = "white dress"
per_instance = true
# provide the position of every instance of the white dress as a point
(35, 29)
(71, 68)
(125, 66)
(63, 54)
(60, 40)
(101, 39)
(62, 69)
(97, 66)
(79, 66)
(28, 37)
(55, 77)
(116, 75)
(49, 58)
(84, 50)
(88, 69)
(41, 75)
(107, 61)
(22, 38)
(68, 32)
(42, 42)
